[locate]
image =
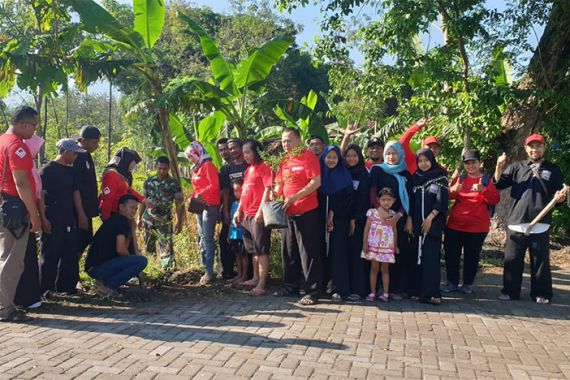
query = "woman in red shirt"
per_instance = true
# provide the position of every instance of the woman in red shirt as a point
(206, 184)
(468, 223)
(117, 181)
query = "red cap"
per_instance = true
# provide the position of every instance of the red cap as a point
(532, 138)
(431, 140)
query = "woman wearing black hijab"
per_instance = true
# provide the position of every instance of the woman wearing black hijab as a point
(428, 208)
(358, 268)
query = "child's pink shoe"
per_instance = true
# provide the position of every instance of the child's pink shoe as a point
(384, 297)
(371, 297)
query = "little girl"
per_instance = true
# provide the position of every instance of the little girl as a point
(379, 242)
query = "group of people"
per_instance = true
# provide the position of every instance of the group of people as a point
(350, 220)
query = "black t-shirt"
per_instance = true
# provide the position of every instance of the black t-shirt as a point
(86, 179)
(530, 192)
(231, 173)
(58, 181)
(435, 196)
(104, 243)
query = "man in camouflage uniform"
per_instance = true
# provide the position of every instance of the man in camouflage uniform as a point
(161, 189)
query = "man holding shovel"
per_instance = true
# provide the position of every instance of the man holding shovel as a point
(536, 184)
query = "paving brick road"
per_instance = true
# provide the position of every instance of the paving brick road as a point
(236, 336)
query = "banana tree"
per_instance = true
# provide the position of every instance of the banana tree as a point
(235, 93)
(124, 49)
(300, 115)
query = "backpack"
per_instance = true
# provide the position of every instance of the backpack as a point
(485, 182)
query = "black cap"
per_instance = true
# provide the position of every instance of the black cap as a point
(375, 141)
(471, 155)
(90, 132)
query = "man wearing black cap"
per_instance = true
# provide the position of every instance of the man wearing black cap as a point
(375, 152)
(85, 197)
(59, 266)
(534, 182)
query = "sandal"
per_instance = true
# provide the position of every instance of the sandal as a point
(371, 297)
(285, 293)
(17, 317)
(504, 297)
(336, 298)
(542, 301)
(255, 292)
(435, 301)
(308, 300)
(384, 297)
(354, 297)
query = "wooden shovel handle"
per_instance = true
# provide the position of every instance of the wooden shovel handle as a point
(544, 211)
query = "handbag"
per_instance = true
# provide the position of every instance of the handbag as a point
(196, 205)
(12, 209)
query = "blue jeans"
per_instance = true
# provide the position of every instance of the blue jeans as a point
(116, 272)
(206, 227)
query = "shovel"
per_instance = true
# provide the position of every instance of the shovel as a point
(534, 226)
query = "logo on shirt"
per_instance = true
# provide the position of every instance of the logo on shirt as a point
(106, 191)
(545, 174)
(295, 168)
(21, 152)
(87, 165)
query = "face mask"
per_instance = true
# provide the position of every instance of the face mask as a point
(133, 166)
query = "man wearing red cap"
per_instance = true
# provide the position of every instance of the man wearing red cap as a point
(430, 142)
(534, 182)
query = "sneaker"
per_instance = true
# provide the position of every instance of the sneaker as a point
(371, 297)
(449, 287)
(385, 297)
(466, 289)
(504, 297)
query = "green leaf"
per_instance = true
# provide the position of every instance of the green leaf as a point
(178, 133)
(95, 19)
(502, 71)
(221, 69)
(281, 114)
(258, 65)
(310, 100)
(269, 132)
(210, 127)
(149, 19)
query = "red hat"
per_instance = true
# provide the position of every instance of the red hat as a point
(431, 140)
(532, 138)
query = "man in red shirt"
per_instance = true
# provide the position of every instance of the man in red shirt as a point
(298, 178)
(16, 164)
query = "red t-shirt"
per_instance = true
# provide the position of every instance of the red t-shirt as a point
(369, 164)
(206, 183)
(470, 212)
(113, 187)
(409, 155)
(294, 174)
(19, 158)
(256, 179)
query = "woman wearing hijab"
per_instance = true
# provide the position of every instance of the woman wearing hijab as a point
(337, 187)
(206, 184)
(393, 174)
(428, 207)
(359, 268)
(117, 181)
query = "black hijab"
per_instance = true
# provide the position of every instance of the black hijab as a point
(435, 171)
(356, 170)
(121, 162)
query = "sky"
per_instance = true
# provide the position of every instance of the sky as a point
(309, 18)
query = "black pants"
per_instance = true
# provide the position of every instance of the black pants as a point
(471, 243)
(424, 278)
(399, 271)
(301, 253)
(339, 256)
(227, 258)
(59, 265)
(359, 268)
(540, 275)
(83, 238)
(28, 291)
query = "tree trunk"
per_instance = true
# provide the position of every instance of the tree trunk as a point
(168, 143)
(546, 71)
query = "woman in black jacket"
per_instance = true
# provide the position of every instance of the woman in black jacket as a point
(337, 187)
(428, 207)
(358, 267)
